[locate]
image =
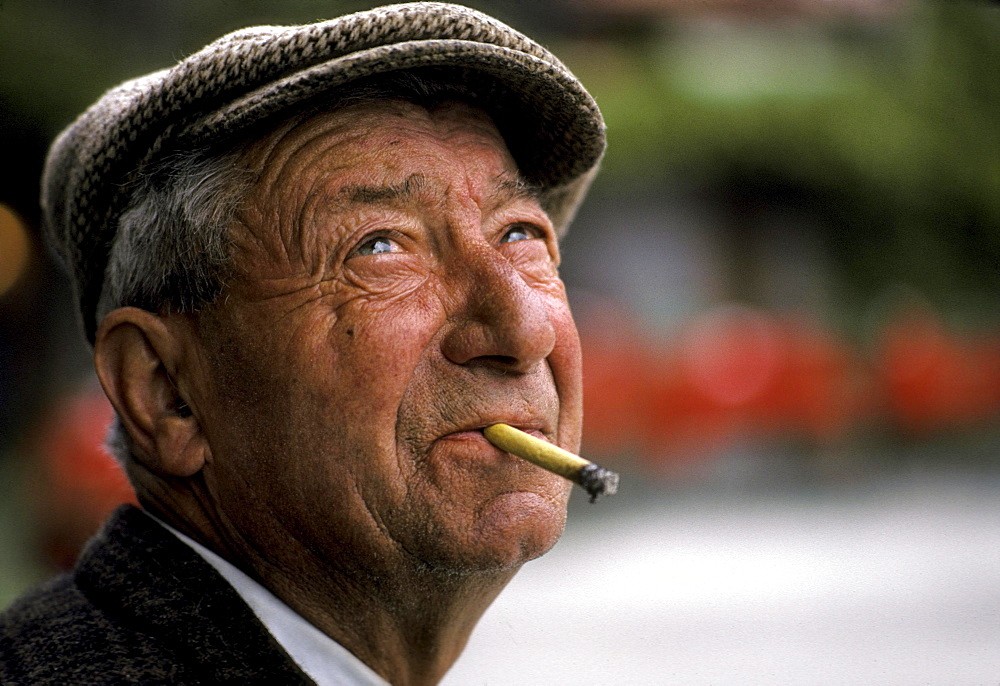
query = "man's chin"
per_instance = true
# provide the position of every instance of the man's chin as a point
(512, 529)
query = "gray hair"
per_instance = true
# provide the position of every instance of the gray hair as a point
(173, 248)
(173, 251)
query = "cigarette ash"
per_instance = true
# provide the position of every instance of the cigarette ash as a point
(597, 481)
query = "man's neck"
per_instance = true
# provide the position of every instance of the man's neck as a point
(409, 625)
(406, 621)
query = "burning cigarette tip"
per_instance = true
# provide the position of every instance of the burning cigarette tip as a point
(598, 481)
(595, 479)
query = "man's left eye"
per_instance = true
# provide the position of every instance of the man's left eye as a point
(520, 232)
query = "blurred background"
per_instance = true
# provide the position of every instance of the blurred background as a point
(787, 281)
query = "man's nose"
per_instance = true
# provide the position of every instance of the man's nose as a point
(498, 320)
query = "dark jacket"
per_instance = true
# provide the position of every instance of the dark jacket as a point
(140, 607)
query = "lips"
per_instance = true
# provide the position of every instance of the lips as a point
(460, 453)
(474, 431)
(469, 437)
(453, 403)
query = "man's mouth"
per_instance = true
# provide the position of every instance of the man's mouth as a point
(474, 430)
(527, 440)
(597, 480)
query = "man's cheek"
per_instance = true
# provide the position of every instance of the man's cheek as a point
(380, 280)
(385, 334)
(566, 362)
(377, 366)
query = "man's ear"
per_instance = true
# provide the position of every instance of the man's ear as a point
(140, 361)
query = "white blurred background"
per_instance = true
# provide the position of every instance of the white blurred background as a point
(895, 583)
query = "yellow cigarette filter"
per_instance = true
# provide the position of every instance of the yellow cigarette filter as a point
(597, 480)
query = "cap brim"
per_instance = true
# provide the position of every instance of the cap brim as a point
(528, 100)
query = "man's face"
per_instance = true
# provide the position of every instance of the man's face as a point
(398, 291)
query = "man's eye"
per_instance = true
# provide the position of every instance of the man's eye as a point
(376, 245)
(520, 232)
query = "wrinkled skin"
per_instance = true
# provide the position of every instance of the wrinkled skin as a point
(397, 292)
(353, 384)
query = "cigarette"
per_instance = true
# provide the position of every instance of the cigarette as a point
(597, 480)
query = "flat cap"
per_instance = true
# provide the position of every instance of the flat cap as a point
(551, 124)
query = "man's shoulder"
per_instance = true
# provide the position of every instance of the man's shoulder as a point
(140, 607)
(56, 634)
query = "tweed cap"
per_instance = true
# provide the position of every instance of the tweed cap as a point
(550, 123)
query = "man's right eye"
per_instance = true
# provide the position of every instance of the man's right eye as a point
(376, 245)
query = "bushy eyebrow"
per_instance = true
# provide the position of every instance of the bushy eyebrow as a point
(507, 188)
(361, 194)
(516, 188)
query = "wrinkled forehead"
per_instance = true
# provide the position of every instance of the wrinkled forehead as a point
(318, 170)
(381, 151)
(367, 129)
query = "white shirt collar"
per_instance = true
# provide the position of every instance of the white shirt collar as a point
(324, 660)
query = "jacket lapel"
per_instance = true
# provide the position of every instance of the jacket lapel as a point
(139, 573)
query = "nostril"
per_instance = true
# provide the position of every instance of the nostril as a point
(501, 322)
(501, 363)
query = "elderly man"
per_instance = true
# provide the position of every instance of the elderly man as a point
(314, 263)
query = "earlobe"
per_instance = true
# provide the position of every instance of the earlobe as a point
(139, 359)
